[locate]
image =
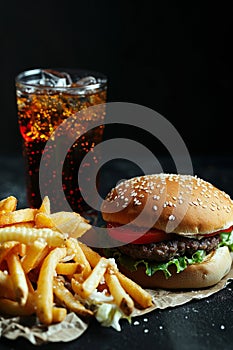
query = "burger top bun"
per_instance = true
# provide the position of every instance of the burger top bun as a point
(182, 204)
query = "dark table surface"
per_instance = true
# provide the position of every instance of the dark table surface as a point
(203, 324)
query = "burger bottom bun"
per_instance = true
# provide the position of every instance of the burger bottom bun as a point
(215, 266)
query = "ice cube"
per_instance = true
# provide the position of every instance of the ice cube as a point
(85, 81)
(55, 79)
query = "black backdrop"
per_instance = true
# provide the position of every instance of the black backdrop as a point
(172, 57)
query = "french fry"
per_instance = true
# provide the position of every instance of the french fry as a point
(6, 286)
(13, 308)
(44, 302)
(45, 206)
(122, 299)
(27, 235)
(44, 220)
(59, 314)
(69, 222)
(73, 245)
(91, 283)
(140, 295)
(19, 249)
(92, 256)
(36, 251)
(42, 266)
(23, 224)
(67, 298)
(6, 247)
(65, 222)
(8, 204)
(70, 268)
(17, 216)
(18, 278)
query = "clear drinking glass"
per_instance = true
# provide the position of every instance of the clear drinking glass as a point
(45, 98)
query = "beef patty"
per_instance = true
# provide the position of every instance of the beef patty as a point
(167, 250)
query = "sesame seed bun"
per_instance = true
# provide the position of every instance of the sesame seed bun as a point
(216, 265)
(182, 204)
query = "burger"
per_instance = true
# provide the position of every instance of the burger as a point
(172, 231)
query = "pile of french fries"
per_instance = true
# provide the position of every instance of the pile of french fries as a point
(46, 271)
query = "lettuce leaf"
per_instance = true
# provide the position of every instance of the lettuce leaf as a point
(181, 263)
(105, 310)
(226, 240)
(109, 315)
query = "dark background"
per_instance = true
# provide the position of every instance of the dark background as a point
(174, 58)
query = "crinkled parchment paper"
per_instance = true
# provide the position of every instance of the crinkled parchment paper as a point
(73, 327)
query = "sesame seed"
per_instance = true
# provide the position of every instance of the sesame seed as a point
(171, 218)
(156, 197)
(133, 194)
(155, 207)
